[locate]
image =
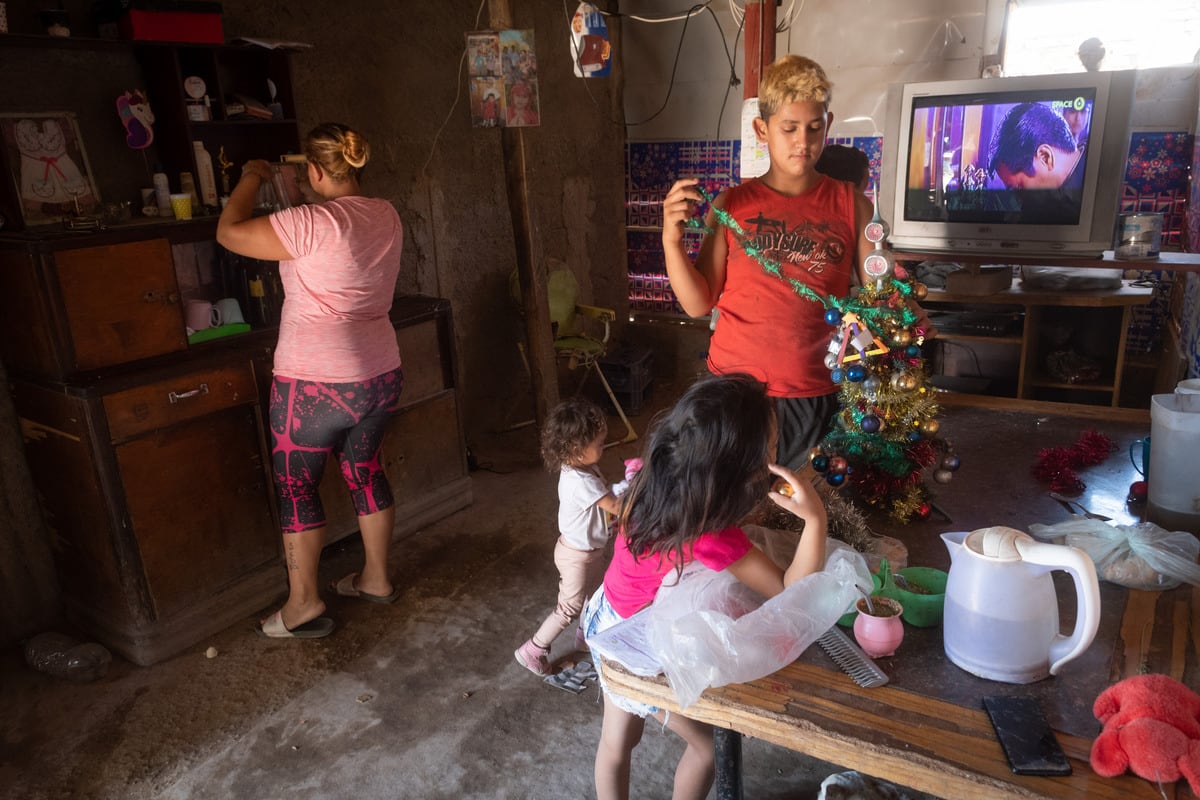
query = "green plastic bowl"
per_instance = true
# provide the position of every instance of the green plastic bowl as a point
(847, 619)
(922, 610)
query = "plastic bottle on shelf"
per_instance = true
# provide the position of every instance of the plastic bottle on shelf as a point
(162, 192)
(204, 171)
(63, 657)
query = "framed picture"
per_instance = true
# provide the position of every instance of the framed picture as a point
(48, 166)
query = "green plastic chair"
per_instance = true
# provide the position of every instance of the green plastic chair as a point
(581, 334)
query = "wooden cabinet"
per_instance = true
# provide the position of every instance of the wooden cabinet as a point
(155, 490)
(150, 454)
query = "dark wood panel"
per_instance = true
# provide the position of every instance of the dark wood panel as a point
(199, 505)
(424, 363)
(121, 302)
(27, 339)
(60, 455)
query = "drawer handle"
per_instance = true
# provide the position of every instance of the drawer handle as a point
(175, 397)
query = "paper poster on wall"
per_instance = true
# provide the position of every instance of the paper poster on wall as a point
(591, 51)
(755, 159)
(502, 79)
(484, 81)
(520, 79)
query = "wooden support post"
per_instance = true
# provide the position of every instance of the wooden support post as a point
(538, 329)
(760, 43)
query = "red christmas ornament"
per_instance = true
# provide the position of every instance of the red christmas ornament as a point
(924, 510)
(1138, 492)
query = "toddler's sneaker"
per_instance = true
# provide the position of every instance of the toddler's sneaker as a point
(533, 658)
(580, 641)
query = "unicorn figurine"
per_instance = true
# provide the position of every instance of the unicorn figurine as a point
(136, 116)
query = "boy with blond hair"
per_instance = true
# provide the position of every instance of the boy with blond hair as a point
(812, 225)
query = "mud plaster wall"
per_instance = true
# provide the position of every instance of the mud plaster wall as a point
(393, 70)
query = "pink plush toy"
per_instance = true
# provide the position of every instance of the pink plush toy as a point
(1151, 726)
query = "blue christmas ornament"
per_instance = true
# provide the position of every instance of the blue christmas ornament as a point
(835, 478)
(870, 424)
(832, 316)
(913, 436)
(912, 351)
(820, 463)
(838, 375)
(856, 372)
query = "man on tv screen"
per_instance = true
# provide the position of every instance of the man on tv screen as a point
(1034, 149)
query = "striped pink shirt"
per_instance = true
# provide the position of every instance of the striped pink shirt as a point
(338, 289)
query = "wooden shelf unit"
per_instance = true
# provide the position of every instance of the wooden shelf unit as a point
(1035, 307)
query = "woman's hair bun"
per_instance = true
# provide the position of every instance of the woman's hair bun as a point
(355, 150)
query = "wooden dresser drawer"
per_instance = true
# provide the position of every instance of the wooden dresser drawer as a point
(172, 400)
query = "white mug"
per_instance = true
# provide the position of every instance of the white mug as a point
(229, 310)
(201, 314)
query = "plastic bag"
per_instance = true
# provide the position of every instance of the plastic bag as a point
(1141, 556)
(710, 629)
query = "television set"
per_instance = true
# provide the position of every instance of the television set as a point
(1025, 166)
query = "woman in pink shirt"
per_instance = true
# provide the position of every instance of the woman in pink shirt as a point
(706, 467)
(337, 376)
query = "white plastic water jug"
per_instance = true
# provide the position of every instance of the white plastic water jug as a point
(1001, 616)
(1174, 490)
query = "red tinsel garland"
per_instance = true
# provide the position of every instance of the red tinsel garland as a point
(1057, 465)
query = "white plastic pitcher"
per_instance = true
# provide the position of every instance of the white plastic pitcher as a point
(1174, 491)
(1001, 617)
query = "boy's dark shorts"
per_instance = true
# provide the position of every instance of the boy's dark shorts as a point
(803, 423)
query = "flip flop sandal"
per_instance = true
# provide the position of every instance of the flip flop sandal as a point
(346, 588)
(273, 628)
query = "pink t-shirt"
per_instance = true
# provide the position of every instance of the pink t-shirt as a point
(338, 289)
(631, 585)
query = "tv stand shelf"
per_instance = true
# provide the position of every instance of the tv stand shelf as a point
(1172, 262)
(1106, 311)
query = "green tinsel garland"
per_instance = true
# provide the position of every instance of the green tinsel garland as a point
(864, 304)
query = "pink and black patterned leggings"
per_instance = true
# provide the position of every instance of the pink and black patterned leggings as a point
(310, 420)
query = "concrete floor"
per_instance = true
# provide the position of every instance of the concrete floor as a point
(420, 699)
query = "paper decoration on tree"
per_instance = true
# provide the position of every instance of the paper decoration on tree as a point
(591, 50)
(134, 110)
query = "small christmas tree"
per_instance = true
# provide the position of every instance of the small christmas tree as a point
(885, 433)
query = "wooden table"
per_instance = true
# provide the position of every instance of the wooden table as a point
(926, 729)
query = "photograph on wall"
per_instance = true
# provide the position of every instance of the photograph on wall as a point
(483, 54)
(48, 166)
(487, 102)
(520, 79)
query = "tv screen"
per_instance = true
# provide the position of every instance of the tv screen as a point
(1026, 165)
(1016, 157)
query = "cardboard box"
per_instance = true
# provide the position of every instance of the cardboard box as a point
(178, 21)
(979, 280)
